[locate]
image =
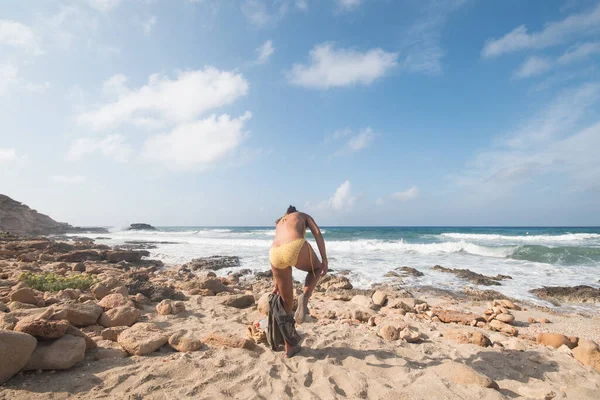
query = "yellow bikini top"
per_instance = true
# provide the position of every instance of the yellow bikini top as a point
(285, 216)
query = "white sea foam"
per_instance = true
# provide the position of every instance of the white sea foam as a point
(534, 239)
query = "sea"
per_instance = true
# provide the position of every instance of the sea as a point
(532, 256)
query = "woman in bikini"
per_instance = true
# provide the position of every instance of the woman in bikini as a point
(290, 248)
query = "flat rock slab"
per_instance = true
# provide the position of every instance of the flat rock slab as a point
(62, 353)
(569, 294)
(142, 339)
(82, 314)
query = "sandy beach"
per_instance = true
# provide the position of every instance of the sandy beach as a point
(393, 342)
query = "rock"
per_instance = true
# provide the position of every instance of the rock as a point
(543, 320)
(334, 282)
(90, 344)
(107, 349)
(80, 256)
(141, 227)
(239, 301)
(467, 337)
(568, 294)
(17, 305)
(79, 267)
(565, 349)
(62, 353)
(42, 329)
(506, 318)
(120, 316)
(82, 314)
(114, 300)
(361, 315)
(588, 353)
(142, 339)
(15, 350)
(409, 271)
(24, 295)
(498, 337)
(99, 290)
(8, 321)
(140, 299)
(263, 304)
(536, 392)
(389, 333)
(362, 301)
(500, 326)
(113, 333)
(216, 339)
(457, 317)
(471, 276)
(463, 375)
(213, 263)
(116, 256)
(554, 340)
(212, 284)
(182, 341)
(379, 298)
(409, 335)
(165, 307)
(509, 304)
(121, 290)
(515, 344)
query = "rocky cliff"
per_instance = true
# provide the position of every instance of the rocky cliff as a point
(17, 218)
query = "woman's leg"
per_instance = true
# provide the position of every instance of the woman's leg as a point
(285, 286)
(309, 262)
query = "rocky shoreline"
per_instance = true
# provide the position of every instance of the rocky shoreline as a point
(103, 313)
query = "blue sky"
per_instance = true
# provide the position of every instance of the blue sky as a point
(360, 112)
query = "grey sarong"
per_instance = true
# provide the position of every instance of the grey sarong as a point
(281, 325)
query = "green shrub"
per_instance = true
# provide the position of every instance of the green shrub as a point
(51, 282)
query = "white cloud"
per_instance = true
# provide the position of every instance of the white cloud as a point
(10, 79)
(342, 199)
(579, 52)
(380, 201)
(348, 5)
(163, 99)
(148, 25)
(104, 5)
(15, 34)
(8, 155)
(332, 67)
(68, 179)
(408, 194)
(534, 65)
(552, 34)
(552, 144)
(198, 144)
(353, 142)
(264, 52)
(113, 146)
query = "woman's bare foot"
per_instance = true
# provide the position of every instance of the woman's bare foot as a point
(300, 310)
(291, 351)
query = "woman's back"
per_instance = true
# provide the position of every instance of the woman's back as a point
(290, 227)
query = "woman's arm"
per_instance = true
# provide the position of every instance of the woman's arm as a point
(312, 225)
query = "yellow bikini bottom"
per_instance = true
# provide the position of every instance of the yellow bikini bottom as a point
(286, 255)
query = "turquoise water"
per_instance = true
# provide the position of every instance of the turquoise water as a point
(533, 256)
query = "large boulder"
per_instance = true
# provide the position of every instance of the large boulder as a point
(569, 294)
(142, 339)
(239, 301)
(41, 328)
(24, 295)
(457, 317)
(334, 282)
(500, 326)
(141, 227)
(379, 298)
(62, 353)
(140, 283)
(587, 353)
(183, 341)
(213, 263)
(114, 300)
(467, 337)
(15, 350)
(555, 340)
(119, 316)
(126, 255)
(82, 314)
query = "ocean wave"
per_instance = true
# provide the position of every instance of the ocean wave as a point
(568, 237)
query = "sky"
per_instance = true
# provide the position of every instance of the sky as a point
(358, 112)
